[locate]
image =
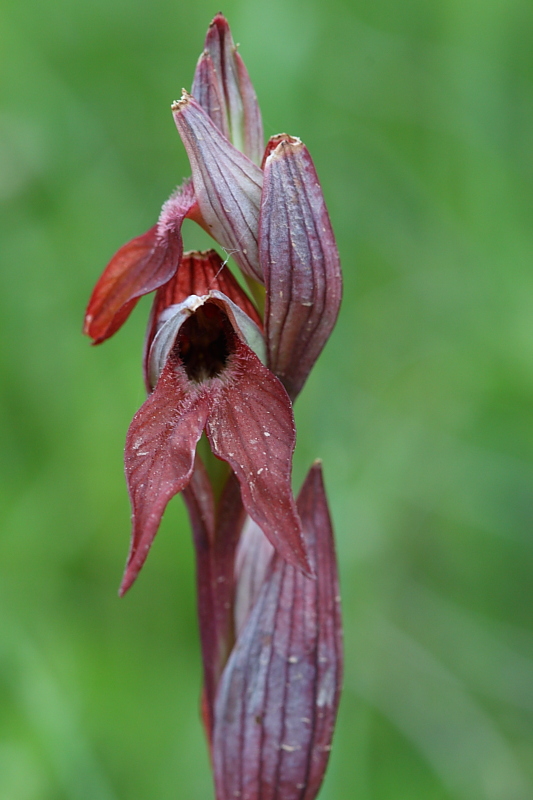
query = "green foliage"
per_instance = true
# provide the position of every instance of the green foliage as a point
(420, 119)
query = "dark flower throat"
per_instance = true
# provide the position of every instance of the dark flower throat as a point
(205, 342)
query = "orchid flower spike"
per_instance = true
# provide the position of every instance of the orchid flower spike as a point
(221, 373)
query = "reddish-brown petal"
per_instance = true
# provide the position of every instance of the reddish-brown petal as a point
(300, 263)
(277, 699)
(227, 185)
(251, 426)
(139, 267)
(223, 88)
(159, 456)
(111, 301)
(199, 273)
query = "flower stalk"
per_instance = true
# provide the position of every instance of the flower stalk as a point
(222, 368)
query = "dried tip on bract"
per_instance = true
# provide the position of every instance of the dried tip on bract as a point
(285, 145)
(273, 145)
(184, 99)
(283, 138)
(219, 20)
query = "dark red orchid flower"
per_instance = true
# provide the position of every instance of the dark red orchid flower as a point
(221, 375)
(204, 362)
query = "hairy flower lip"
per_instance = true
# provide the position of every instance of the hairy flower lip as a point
(247, 416)
(249, 423)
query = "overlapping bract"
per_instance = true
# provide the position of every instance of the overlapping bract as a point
(223, 88)
(299, 260)
(277, 700)
(223, 373)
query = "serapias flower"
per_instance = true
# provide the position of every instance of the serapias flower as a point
(204, 363)
(221, 374)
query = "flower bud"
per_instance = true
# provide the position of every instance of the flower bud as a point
(227, 185)
(300, 262)
(223, 88)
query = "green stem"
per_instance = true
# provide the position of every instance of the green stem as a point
(258, 293)
(217, 470)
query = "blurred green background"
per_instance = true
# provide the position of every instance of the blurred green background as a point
(420, 118)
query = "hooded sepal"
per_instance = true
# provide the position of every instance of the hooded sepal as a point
(171, 320)
(300, 262)
(199, 273)
(227, 185)
(139, 267)
(277, 699)
(223, 88)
